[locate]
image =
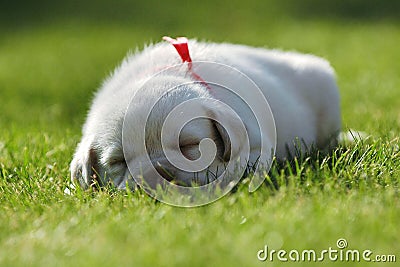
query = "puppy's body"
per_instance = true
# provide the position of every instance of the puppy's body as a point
(300, 89)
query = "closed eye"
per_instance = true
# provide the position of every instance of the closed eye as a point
(190, 151)
(191, 141)
(190, 146)
(116, 167)
(116, 161)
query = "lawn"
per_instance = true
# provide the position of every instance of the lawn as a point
(53, 56)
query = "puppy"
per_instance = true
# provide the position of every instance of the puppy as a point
(300, 89)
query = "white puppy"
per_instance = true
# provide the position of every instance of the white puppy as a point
(300, 89)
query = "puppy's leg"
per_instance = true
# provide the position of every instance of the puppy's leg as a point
(85, 167)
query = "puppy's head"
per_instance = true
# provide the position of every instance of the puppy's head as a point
(104, 156)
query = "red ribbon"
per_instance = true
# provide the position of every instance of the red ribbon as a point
(181, 46)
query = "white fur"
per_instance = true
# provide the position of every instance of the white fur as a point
(301, 91)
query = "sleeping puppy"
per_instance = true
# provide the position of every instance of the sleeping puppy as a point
(301, 91)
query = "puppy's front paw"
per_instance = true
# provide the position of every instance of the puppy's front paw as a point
(84, 166)
(98, 164)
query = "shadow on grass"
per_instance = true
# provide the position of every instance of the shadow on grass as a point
(362, 164)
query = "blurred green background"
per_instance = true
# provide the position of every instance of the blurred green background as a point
(163, 15)
(54, 54)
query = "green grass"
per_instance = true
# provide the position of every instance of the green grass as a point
(51, 62)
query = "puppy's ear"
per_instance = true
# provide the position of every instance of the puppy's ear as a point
(85, 167)
(229, 128)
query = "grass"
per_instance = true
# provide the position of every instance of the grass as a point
(50, 65)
